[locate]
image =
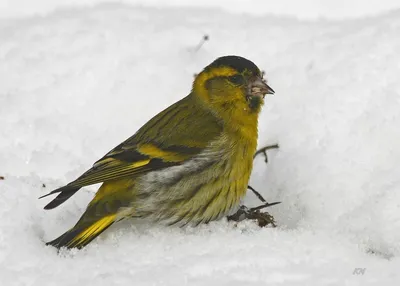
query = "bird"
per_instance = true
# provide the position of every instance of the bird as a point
(189, 164)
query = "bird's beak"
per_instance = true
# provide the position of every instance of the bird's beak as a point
(259, 87)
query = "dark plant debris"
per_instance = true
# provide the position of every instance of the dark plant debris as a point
(263, 218)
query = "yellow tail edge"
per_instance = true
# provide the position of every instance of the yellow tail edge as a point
(82, 234)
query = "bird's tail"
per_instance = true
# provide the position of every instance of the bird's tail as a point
(64, 194)
(101, 213)
(83, 232)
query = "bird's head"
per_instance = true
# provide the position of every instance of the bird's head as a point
(232, 84)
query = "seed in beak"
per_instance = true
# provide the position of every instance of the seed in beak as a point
(256, 90)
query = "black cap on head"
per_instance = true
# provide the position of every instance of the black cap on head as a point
(238, 63)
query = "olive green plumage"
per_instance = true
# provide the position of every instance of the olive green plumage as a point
(189, 164)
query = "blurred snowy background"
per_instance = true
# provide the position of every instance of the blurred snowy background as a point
(78, 77)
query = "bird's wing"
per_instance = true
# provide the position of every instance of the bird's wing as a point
(172, 137)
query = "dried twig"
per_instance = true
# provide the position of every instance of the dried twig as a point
(201, 43)
(262, 218)
(264, 151)
(259, 196)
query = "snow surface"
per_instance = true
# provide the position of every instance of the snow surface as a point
(77, 82)
(302, 9)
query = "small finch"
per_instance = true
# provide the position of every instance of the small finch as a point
(189, 164)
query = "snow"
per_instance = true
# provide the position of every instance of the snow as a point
(76, 82)
(304, 9)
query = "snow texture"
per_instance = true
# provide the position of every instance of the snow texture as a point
(78, 81)
(304, 9)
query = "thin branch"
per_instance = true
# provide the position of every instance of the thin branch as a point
(264, 151)
(259, 196)
(201, 43)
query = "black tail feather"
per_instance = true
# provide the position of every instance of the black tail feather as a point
(64, 239)
(67, 239)
(65, 193)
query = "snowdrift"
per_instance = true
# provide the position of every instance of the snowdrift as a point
(77, 82)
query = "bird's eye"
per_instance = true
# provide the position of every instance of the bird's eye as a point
(236, 79)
